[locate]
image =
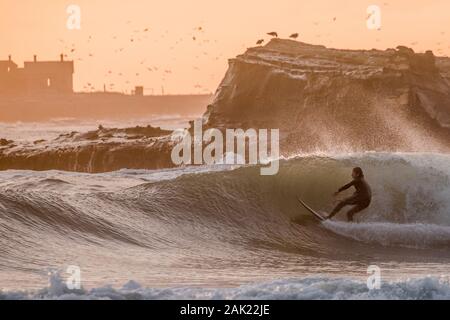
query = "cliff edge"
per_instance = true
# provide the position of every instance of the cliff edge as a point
(325, 99)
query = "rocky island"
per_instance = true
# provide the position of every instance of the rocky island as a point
(325, 99)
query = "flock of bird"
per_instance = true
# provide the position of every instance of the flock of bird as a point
(275, 35)
(294, 36)
(121, 44)
(85, 53)
(138, 36)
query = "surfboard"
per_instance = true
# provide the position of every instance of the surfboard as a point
(316, 214)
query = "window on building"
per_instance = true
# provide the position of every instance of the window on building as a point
(9, 69)
(49, 82)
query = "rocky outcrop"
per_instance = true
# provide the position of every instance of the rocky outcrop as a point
(337, 100)
(95, 151)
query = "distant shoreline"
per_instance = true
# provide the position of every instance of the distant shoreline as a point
(98, 105)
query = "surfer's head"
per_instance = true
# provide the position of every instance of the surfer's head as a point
(357, 173)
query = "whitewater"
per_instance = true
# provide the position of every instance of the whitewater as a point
(226, 232)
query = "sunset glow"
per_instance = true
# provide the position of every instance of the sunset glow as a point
(151, 43)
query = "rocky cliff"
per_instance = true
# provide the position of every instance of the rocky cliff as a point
(101, 150)
(337, 100)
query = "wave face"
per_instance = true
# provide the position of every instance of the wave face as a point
(220, 226)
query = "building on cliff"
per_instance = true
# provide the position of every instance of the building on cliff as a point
(36, 77)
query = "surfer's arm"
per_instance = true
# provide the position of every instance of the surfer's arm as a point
(348, 185)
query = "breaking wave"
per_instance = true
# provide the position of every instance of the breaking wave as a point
(312, 288)
(169, 224)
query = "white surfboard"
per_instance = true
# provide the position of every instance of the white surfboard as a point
(316, 214)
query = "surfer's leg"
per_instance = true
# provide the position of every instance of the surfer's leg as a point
(338, 207)
(359, 207)
(352, 212)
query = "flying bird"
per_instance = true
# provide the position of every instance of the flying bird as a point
(294, 36)
(273, 34)
(260, 41)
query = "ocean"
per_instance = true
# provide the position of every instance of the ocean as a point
(226, 232)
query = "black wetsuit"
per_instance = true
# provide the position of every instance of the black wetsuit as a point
(360, 199)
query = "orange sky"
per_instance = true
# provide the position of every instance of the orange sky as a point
(185, 65)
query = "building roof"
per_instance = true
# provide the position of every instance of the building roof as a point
(7, 63)
(49, 66)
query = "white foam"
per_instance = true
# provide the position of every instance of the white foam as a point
(290, 289)
(416, 235)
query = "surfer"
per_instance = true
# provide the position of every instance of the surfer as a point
(360, 199)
